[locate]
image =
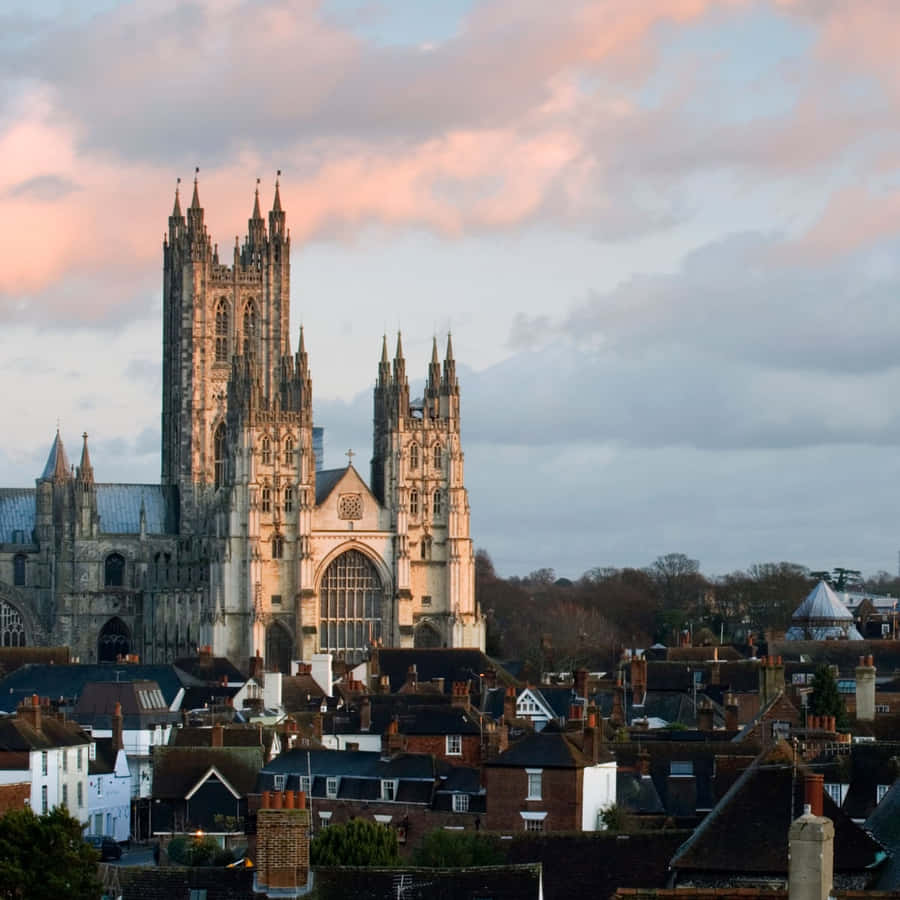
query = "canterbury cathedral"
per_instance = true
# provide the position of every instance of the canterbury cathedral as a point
(248, 544)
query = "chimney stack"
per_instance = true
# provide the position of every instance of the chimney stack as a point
(282, 845)
(257, 667)
(732, 711)
(638, 681)
(460, 696)
(813, 790)
(218, 735)
(321, 672)
(617, 716)
(365, 714)
(509, 705)
(30, 711)
(865, 689)
(811, 857)
(771, 679)
(412, 680)
(117, 742)
(705, 717)
(581, 678)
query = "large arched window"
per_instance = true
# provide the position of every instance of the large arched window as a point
(114, 641)
(114, 570)
(19, 570)
(219, 455)
(437, 457)
(251, 328)
(350, 598)
(222, 331)
(277, 547)
(12, 628)
(279, 648)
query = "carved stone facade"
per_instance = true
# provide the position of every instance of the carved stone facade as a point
(247, 544)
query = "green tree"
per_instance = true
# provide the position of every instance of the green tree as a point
(356, 843)
(441, 849)
(826, 699)
(44, 858)
(198, 851)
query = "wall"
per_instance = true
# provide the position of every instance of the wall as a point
(599, 793)
(436, 744)
(507, 788)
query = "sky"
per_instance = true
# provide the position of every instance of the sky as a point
(665, 236)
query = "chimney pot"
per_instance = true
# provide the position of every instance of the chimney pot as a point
(288, 799)
(277, 798)
(813, 783)
(301, 800)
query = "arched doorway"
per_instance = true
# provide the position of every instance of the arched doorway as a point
(114, 641)
(350, 599)
(12, 626)
(279, 648)
(427, 637)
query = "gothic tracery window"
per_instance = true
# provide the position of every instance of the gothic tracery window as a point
(219, 455)
(266, 501)
(12, 628)
(414, 456)
(222, 331)
(350, 606)
(19, 570)
(288, 499)
(437, 457)
(413, 502)
(114, 570)
(266, 452)
(288, 451)
(250, 328)
(436, 503)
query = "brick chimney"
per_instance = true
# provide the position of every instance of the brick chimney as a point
(365, 714)
(490, 678)
(496, 740)
(771, 678)
(116, 718)
(460, 696)
(30, 711)
(593, 736)
(705, 717)
(732, 713)
(392, 742)
(384, 684)
(617, 716)
(282, 844)
(411, 685)
(813, 790)
(509, 704)
(638, 681)
(257, 667)
(438, 683)
(580, 685)
(218, 735)
(865, 689)
(810, 857)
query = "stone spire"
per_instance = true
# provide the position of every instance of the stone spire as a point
(85, 469)
(384, 366)
(399, 361)
(195, 212)
(433, 382)
(276, 216)
(176, 209)
(195, 200)
(57, 468)
(256, 213)
(256, 227)
(449, 379)
(276, 203)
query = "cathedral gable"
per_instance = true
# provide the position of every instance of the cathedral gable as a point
(344, 502)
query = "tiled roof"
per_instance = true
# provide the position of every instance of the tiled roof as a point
(104, 762)
(450, 664)
(548, 749)
(637, 793)
(16, 514)
(69, 681)
(16, 734)
(353, 763)
(177, 769)
(210, 668)
(884, 825)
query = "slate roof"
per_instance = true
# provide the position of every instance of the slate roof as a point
(747, 831)
(142, 704)
(326, 479)
(300, 693)
(69, 681)
(17, 512)
(822, 616)
(884, 825)
(119, 506)
(210, 668)
(449, 664)
(104, 762)
(637, 794)
(461, 780)
(547, 749)
(843, 654)
(353, 764)
(870, 765)
(232, 736)
(57, 460)
(17, 735)
(178, 769)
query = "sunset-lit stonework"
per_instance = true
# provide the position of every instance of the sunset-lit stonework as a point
(246, 544)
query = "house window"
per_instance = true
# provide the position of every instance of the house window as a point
(197, 894)
(681, 767)
(99, 787)
(114, 570)
(454, 745)
(266, 451)
(43, 762)
(324, 819)
(414, 456)
(278, 781)
(534, 784)
(19, 570)
(834, 791)
(266, 501)
(331, 787)
(414, 502)
(65, 760)
(65, 795)
(288, 499)
(437, 457)
(44, 799)
(277, 547)
(222, 331)
(289, 451)
(388, 789)
(305, 784)
(92, 751)
(882, 708)
(436, 503)
(533, 821)
(79, 790)
(79, 761)
(460, 803)
(880, 791)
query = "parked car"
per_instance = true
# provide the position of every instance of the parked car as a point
(105, 845)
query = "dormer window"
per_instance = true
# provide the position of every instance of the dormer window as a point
(331, 787)
(389, 789)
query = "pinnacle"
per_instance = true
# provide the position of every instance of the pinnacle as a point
(384, 349)
(449, 348)
(399, 353)
(276, 203)
(195, 200)
(176, 209)
(256, 212)
(434, 352)
(302, 342)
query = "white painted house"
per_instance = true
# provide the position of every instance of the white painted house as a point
(109, 791)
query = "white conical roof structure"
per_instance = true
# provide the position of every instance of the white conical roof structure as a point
(822, 616)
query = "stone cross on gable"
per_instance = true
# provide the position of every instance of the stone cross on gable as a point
(349, 454)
